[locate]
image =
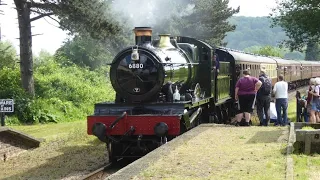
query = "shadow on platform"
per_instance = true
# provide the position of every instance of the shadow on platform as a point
(267, 137)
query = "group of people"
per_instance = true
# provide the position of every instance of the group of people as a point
(251, 90)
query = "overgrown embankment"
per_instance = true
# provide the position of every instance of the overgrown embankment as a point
(63, 93)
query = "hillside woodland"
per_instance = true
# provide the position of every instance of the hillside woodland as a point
(253, 33)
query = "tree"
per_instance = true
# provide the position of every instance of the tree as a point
(7, 55)
(266, 51)
(208, 21)
(85, 51)
(313, 51)
(76, 16)
(300, 20)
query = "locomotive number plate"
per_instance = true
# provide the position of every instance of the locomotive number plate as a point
(136, 66)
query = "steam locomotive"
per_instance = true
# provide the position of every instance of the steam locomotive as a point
(166, 86)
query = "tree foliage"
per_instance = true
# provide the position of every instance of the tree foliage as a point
(300, 20)
(79, 16)
(84, 51)
(62, 93)
(208, 21)
(8, 55)
(313, 51)
(76, 16)
(276, 52)
(254, 33)
(169, 17)
(266, 51)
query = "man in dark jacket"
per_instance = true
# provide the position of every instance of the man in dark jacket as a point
(264, 98)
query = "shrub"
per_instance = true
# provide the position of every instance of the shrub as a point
(62, 93)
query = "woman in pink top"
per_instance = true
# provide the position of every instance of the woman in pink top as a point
(246, 89)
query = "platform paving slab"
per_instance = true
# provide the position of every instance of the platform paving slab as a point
(13, 143)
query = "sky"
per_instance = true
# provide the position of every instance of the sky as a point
(52, 37)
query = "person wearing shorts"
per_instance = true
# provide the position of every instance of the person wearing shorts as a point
(245, 92)
(315, 106)
(310, 117)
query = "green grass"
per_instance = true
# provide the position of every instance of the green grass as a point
(52, 131)
(308, 128)
(67, 152)
(292, 110)
(306, 167)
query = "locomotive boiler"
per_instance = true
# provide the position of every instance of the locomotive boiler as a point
(152, 71)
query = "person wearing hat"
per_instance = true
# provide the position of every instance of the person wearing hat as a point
(264, 98)
(245, 91)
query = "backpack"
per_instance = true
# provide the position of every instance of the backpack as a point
(266, 86)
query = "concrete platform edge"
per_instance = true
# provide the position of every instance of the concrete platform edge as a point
(29, 139)
(289, 164)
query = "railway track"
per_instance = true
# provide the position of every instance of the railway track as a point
(98, 174)
(107, 170)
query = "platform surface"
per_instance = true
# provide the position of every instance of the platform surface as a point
(216, 152)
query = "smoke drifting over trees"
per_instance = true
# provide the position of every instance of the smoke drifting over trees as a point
(202, 19)
(150, 12)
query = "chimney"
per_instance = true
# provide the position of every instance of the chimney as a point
(142, 35)
(165, 41)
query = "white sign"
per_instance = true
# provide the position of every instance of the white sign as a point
(6, 105)
(136, 66)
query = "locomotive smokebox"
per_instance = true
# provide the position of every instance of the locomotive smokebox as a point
(142, 35)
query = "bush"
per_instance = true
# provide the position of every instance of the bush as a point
(62, 93)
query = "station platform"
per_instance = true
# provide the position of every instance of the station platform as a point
(13, 143)
(212, 151)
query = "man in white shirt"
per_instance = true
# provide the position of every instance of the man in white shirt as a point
(281, 94)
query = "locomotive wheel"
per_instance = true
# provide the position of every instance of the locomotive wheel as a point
(183, 127)
(114, 150)
(219, 115)
(225, 116)
(215, 119)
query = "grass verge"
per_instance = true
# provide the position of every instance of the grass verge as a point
(67, 153)
(306, 167)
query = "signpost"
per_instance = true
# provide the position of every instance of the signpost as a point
(6, 106)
